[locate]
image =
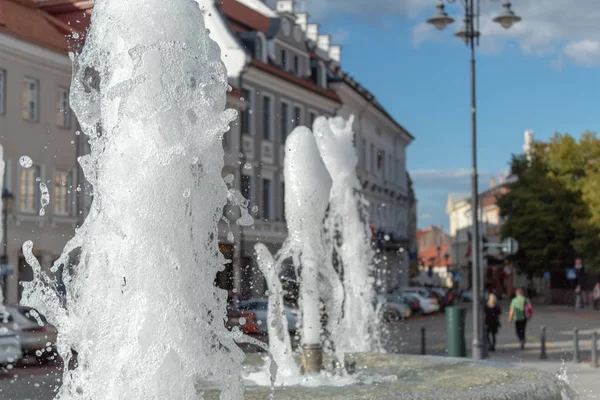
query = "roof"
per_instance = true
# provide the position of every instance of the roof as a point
(455, 197)
(243, 16)
(259, 6)
(348, 80)
(75, 15)
(22, 19)
(430, 255)
(304, 82)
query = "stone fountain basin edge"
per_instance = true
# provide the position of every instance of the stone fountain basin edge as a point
(395, 376)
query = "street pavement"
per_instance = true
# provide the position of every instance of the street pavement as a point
(405, 337)
(34, 382)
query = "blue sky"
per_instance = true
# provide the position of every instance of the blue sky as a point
(541, 75)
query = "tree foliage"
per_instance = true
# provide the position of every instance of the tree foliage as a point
(553, 208)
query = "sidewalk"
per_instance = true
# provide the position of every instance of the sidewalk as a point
(581, 376)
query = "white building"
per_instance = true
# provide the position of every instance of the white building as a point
(381, 143)
(36, 121)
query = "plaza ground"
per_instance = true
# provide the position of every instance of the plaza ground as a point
(40, 383)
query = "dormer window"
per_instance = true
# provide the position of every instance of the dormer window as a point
(284, 62)
(297, 69)
(322, 75)
(260, 47)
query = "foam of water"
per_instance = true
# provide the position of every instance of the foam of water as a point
(259, 376)
(141, 309)
(349, 235)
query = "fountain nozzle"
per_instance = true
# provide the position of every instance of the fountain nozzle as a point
(312, 358)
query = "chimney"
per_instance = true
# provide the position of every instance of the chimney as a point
(335, 53)
(312, 32)
(285, 6)
(302, 20)
(323, 42)
(492, 182)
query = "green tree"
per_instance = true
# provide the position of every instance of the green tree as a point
(576, 164)
(539, 211)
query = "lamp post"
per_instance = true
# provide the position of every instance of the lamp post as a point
(7, 199)
(469, 33)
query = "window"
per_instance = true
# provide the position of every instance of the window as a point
(380, 162)
(297, 116)
(63, 184)
(266, 198)
(284, 60)
(30, 189)
(267, 118)
(313, 117)
(363, 153)
(245, 117)
(247, 188)
(322, 75)
(63, 110)
(31, 99)
(297, 68)
(284, 121)
(283, 201)
(259, 48)
(2, 91)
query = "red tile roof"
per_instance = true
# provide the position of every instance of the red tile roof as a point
(244, 17)
(22, 19)
(306, 83)
(430, 256)
(74, 15)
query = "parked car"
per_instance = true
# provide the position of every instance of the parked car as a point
(427, 301)
(467, 296)
(10, 348)
(445, 297)
(260, 308)
(392, 308)
(412, 302)
(36, 336)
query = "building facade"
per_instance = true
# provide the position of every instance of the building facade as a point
(35, 124)
(284, 73)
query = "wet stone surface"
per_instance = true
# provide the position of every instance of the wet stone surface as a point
(414, 377)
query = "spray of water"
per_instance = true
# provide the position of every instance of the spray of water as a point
(140, 308)
(348, 235)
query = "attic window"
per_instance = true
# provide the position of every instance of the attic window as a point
(322, 75)
(260, 48)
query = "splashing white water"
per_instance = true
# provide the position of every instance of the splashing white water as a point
(349, 235)
(280, 346)
(44, 199)
(25, 161)
(140, 308)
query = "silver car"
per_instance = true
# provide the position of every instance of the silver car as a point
(260, 308)
(10, 348)
(392, 308)
(36, 336)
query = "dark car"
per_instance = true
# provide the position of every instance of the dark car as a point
(445, 297)
(412, 302)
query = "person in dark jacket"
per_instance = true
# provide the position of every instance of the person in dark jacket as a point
(492, 320)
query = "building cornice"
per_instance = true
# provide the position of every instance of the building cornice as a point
(21, 49)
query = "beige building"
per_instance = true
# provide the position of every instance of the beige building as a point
(35, 121)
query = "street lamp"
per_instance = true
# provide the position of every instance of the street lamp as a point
(470, 34)
(7, 200)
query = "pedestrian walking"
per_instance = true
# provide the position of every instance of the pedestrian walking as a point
(596, 296)
(578, 303)
(520, 309)
(492, 320)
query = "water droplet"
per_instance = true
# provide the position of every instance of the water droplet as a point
(242, 321)
(229, 179)
(45, 199)
(230, 237)
(187, 192)
(25, 161)
(77, 133)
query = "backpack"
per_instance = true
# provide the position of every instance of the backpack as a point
(528, 310)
